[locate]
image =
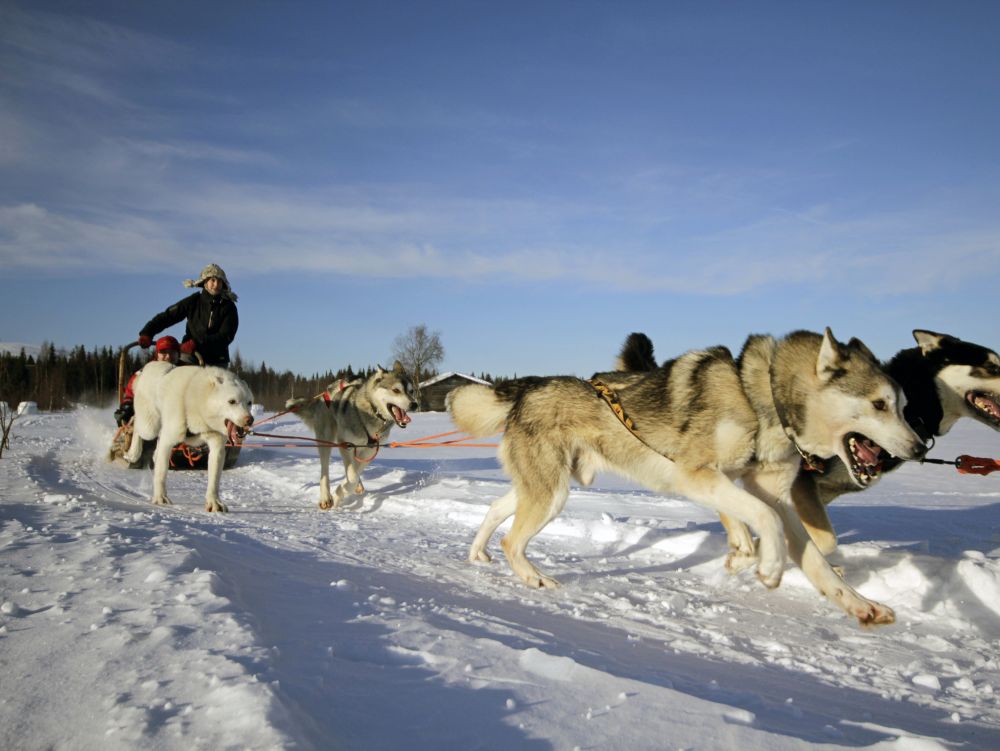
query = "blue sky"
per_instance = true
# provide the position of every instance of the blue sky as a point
(532, 179)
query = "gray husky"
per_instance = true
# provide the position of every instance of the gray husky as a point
(360, 414)
(694, 426)
(943, 379)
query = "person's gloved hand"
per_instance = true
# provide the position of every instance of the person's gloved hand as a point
(145, 342)
(189, 347)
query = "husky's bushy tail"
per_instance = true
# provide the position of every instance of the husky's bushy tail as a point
(478, 410)
(483, 410)
(302, 409)
(636, 355)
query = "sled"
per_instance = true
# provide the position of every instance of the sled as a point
(182, 456)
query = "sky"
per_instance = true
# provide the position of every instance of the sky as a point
(532, 180)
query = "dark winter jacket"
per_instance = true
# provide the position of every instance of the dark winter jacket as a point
(211, 322)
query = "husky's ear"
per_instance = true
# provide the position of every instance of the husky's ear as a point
(830, 360)
(398, 367)
(861, 347)
(928, 340)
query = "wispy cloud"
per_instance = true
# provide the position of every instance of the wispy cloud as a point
(39, 240)
(137, 191)
(264, 229)
(38, 42)
(192, 151)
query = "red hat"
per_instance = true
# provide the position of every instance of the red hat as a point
(167, 344)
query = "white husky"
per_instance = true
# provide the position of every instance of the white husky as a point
(192, 405)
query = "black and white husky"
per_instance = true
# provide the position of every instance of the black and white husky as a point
(943, 379)
(360, 414)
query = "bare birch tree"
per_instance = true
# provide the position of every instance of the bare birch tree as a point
(419, 350)
(7, 417)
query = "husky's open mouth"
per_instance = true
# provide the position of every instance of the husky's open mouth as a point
(236, 433)
(866, 458)
(402, 419)
(986, 405)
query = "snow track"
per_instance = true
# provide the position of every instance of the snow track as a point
(278, 625)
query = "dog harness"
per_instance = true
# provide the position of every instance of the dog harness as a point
(342, 385)
(607, 394)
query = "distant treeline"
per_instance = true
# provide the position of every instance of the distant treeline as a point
(60, 379)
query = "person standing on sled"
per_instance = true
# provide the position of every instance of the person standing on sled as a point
(211, 319)
(168, 349)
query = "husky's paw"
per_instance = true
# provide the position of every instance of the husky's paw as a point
(216, 505)
(325, 504)
(740, 560)
(770, 576)
(539, 580)
(772, 561)
(479, 556)
(873, 614)
(359, 489)
(162, 501)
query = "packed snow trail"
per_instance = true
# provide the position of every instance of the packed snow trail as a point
(278, 625)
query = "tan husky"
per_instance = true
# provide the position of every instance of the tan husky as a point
(698, 424)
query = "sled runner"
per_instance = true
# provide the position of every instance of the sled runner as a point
(182, 457)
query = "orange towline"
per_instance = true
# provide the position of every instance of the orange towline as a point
(417, 443)
(429, 442)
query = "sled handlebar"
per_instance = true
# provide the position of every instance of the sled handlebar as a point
(121, 369)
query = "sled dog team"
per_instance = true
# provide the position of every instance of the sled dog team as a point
(767, 439)
(209, 406)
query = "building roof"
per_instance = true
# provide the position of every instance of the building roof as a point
(452, 374)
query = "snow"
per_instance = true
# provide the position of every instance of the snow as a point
(27, 408)
(124, 625)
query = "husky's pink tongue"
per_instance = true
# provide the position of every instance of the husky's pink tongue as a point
(867, 452)
(234, 433)
(399, 415)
